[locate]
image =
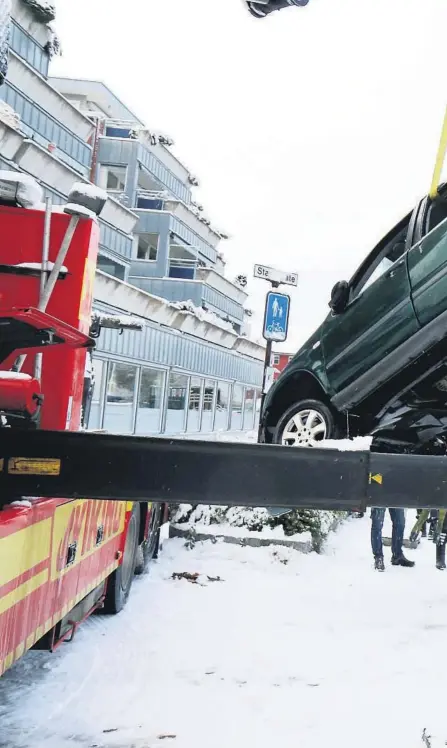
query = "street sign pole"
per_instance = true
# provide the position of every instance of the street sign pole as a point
(276, 316)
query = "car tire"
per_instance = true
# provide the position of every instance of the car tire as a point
(120, 582)
(306, 423)
(148, 549)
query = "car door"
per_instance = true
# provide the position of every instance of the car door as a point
(427, 262)
(379, 317)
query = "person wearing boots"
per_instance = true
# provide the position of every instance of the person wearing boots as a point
(397, 538)
(438, 531)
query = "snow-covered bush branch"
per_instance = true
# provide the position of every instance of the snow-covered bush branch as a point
(42, 10)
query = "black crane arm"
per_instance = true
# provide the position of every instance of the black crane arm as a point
(106, 466)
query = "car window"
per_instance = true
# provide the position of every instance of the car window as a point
(380, 264)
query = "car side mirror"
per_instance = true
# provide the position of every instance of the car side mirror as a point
(339, 297)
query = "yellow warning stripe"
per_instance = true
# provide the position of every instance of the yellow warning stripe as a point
(27, 643)
(23, 590)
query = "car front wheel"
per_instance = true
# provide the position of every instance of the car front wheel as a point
(306, 424)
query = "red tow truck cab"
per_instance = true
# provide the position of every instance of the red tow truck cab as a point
(59, 559)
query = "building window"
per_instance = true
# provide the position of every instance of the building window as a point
(116, 178)
(237, 403)
(195, 404)
(111, 268)
(290, 358)
(150, 401)
(249, 408)
(118, 417)
(176, 405)
(147, 247)
(94, 418)
(275, 359)
(209, 397)
(222, 407)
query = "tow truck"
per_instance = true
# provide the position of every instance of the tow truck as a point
(62, 558)
(59, 559)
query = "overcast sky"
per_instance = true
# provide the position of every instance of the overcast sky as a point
(312, 131)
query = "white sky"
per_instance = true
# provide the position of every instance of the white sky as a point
(312, 131)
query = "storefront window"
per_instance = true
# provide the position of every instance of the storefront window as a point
(94, 417)
(249, 408)
(209, 396)
(257, 407)
(120, 398)
(176, 405)
(195, 403)
(222, 405)
(150, 401)
(237, 407)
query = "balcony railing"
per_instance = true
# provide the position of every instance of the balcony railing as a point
(159, 200)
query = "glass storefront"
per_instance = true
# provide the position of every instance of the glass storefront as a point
(222, 406)
(94, 419)
(237, 404)
(195, 403)
(177, 397)
(120, 398)
(143, 400)
(150, 401)
(249, 409)
(209, 399)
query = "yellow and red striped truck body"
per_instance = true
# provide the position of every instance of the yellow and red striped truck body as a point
(39, 584)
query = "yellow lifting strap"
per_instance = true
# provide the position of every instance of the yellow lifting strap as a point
(439, 163)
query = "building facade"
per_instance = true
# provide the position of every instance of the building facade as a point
(279, 363)
(190, 369)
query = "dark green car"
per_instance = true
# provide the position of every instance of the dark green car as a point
(385, 337)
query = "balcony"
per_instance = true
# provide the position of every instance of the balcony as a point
(157, 200)
(119, 148)
(201, 294)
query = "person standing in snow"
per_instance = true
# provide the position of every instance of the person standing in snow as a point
(439, 533)
(397, 538)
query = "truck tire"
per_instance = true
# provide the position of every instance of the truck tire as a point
(120, 582)
(306, 423)
(148, 549)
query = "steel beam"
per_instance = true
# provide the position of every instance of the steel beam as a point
(106, 466)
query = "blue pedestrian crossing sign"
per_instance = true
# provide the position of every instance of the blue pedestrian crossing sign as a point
(276, 317)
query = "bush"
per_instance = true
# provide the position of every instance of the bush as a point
(298, 521)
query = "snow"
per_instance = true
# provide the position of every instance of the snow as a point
(90, 190)
(284, 650)
(358, 444)
(9, 116)
(202, 314)
(21, 187)
(79, 210)
(39, 266)
(14, 375)
(116, 320)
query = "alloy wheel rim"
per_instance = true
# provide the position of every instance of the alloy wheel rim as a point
(306, 428)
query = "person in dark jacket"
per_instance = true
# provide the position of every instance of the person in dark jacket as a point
(397, 538)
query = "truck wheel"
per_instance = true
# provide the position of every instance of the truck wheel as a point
(149, 547)
(306, 424)
(120, 582)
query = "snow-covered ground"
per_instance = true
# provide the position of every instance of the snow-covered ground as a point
(287, 650)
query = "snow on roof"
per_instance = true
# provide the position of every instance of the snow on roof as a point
(90, 190)
(79, 210)
(44, 10)
(38, 266)
(14, 375)
(21, 188)
(202, 314)
(9, 116)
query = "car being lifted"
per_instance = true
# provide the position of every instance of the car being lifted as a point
(382, 348)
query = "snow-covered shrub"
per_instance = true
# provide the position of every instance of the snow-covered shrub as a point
(297, 522)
